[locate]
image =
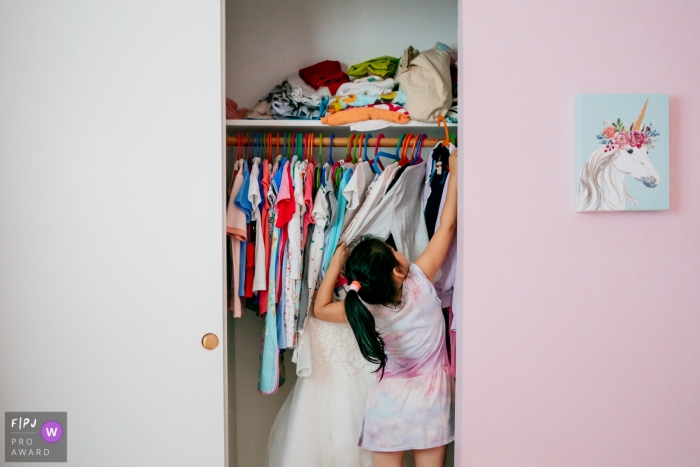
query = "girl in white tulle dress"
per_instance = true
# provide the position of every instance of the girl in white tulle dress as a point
(396, 317)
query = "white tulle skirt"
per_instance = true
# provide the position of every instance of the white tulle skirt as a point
(320, 422)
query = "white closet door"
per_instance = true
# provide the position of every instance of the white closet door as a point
(111, 241)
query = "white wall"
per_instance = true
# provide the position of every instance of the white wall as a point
(266, 40)
(111, 226)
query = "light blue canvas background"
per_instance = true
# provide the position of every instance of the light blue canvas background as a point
(593, 109)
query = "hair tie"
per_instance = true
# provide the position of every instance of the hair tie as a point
(353, 286)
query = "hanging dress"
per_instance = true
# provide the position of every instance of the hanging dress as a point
(319, 422)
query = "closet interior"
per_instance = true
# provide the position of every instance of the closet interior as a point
(265, 42)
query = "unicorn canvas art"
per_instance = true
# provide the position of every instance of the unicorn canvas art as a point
(622, 165)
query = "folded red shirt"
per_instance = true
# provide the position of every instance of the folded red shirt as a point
(326, 73)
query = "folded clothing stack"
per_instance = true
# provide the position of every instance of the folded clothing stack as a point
(340, 103)
(370, 96)
(309, 93)
(295, 99)
(326, 73)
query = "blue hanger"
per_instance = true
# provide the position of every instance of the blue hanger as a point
(364, 157)
(416, 158)
(387, 155)
(330, 152)
(375, 168)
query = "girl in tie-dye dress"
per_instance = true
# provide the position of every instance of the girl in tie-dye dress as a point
(396, 317)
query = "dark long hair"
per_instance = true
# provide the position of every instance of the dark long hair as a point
(371, 263)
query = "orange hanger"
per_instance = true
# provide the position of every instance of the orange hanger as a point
(358, 146)
(404, 147)
(351, 140)
(310, 155)
(446, 141)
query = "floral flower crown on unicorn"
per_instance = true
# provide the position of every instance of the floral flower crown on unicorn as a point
(616, 136)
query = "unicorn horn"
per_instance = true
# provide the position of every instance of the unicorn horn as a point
(638, 123)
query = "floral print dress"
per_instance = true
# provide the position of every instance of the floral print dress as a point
(412, 406)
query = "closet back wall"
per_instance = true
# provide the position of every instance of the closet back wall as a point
(581, 331)
(266, 40)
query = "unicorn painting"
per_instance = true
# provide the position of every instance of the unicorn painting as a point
(621, 157)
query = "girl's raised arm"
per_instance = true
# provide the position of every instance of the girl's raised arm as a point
(325, 308)
(434, 255)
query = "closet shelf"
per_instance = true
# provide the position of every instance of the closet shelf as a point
(317, 124)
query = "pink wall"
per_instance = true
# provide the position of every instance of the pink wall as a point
(581, 331)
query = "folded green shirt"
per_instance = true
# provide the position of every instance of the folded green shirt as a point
(381, 66)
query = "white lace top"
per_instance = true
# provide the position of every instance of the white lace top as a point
(333, 346)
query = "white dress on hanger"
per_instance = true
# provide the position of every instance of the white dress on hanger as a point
(320, 421)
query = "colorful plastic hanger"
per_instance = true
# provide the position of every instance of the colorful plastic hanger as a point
(441, 120)
(364, 156)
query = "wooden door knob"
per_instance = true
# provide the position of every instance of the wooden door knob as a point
(210, 341)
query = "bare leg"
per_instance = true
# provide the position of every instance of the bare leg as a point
(433, 457)
(387, 459)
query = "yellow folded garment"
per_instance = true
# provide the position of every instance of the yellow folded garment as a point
(381, 66)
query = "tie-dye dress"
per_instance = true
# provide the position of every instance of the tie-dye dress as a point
(412, 406)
